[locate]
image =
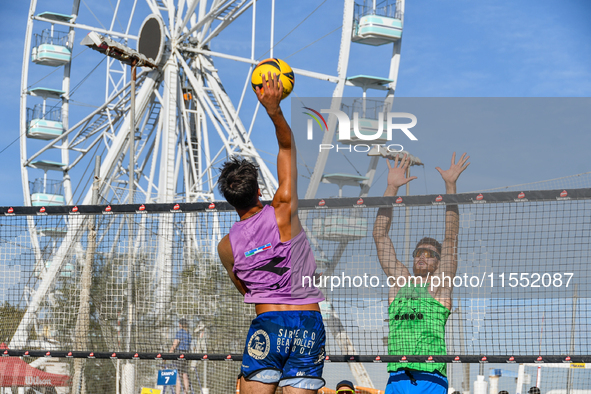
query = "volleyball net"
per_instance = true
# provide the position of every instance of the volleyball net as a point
(109, 284)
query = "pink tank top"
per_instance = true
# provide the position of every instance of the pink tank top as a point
(272, 270)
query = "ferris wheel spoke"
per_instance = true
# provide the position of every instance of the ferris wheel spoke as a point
(214, 13)
(82, 135)
(228, 19)
(106, 115)
(148, 156)
(169, 136)
(120, 140)
(151, 184)
(232, 124)
(115, 17)
(82, 154)
(149, 124)
(207, 52)
(139, 188)
(131, 15)
(154, 8)
(181, 25)
(203, 97)
(188, 141)
(204, 153)
(70, 240)
(177, 14)
(170, 11)
(236, 141)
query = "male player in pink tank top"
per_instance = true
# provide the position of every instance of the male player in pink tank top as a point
(266, 254)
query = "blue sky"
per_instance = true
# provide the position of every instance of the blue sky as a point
(461, 49)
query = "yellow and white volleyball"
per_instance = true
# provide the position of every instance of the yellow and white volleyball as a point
(275, 66)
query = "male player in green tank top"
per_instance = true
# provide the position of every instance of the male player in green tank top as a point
(417, 313)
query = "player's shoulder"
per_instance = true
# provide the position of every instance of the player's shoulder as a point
(224, 246)
(224, 241)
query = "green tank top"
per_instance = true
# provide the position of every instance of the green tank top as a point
(417, 326)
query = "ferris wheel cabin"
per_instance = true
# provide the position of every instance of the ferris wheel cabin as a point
(47, 192)
(365, 113)
(44, 123)
(377, 22)
(52, 47)
(339, 228)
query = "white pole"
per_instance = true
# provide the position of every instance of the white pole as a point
(480, 385)
(494, 384)
(569, 377)
(128, 369)
(118, 377)
(465, 366)
(272, 27)
(254, 22)
(205, 389)
(132, 135)
(364, 99)
(129, 378)
(520, 376)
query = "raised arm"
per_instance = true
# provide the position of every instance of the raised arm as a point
(385, 248)
(285, 200)
(449, 252)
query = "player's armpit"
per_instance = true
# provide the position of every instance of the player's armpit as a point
(227, 259)
(449, 258)
(443, 295)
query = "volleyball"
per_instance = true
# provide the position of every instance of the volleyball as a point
(275, 66)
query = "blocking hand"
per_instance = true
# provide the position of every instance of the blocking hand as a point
(451, 176)
(397, 174)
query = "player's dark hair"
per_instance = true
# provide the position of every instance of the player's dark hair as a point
(183, 322)
(430, 241)
(238, 183)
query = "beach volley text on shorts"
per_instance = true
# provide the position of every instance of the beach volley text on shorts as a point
(503, 279)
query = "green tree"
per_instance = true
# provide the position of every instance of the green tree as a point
(205, 293)
(10, 317)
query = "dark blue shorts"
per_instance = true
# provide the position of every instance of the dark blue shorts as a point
(286, 347)
(403, 382)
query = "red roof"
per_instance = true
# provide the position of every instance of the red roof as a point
(16, 372)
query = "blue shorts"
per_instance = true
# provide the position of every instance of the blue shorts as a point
(412, 381)
(286, 347)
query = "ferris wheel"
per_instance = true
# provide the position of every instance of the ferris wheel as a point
(186, 122)
(75, 107)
